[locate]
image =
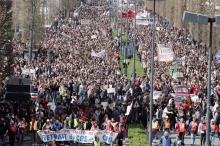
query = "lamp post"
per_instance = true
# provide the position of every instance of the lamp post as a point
(135, 43)
(205, 20)
(152, 77)
(116, 16)
(126, 46)
(121, 29)
(110, 11)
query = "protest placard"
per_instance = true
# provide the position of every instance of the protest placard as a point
(164, 54)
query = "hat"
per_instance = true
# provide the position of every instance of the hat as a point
(48, 120)
(166, 117)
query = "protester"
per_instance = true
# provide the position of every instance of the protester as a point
(214, 131)
(155, 127)
(12, 132)
(181, 128)
(80, 85)
(3, 130)
(22, 127)
(202, 131)
(166, 140)
(33, 129)
(194, 128)
(167, 124)
(96, 142)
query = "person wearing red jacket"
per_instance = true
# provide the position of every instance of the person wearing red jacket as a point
(181, 128)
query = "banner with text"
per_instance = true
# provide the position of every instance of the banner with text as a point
(81, 136)
(165, 54)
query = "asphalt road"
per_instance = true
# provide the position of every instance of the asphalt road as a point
(187, 141)
(28, 142)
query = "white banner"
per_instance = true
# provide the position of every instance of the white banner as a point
(157, 94)
(100, 54)
(165, 54)
(81, 136)
(85, 21)
(111, 90)
(93, 36)
(27, 71)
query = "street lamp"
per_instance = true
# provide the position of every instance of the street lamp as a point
(135, 42)
(204, 20)
(152, 76)
(126, 46)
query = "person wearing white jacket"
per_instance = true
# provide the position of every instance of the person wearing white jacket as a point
(202, 131)
(165, 112)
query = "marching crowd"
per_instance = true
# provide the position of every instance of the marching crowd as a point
(191, 65)
(76, 67)
(71, 73)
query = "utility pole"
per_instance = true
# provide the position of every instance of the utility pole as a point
(208, 142)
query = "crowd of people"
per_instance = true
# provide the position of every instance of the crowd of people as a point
(76, 66)
(191, 65)
(71, 72)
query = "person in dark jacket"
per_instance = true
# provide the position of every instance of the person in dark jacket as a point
(12, 131)
(3, 130)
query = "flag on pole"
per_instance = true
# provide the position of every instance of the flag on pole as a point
(53, 106)
(129, 109)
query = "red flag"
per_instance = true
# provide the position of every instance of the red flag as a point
(131, 14)
(115, 54)
(124, 15)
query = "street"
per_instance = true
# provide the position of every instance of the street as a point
(187, 141)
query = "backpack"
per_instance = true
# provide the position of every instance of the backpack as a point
(13, 129)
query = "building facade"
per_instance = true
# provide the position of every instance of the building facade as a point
(173, 11)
